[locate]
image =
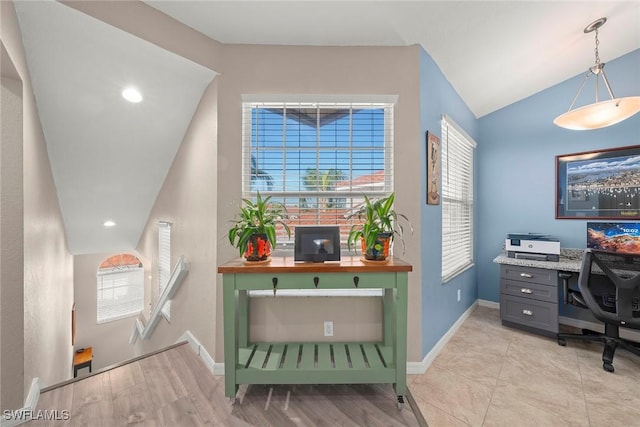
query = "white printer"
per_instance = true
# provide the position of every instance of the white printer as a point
(534, 246)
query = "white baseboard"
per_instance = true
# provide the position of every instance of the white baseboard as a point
(218, 369)
(489, 304)
(200, 351)
(413, 368)
(416, 368)
(421, 367)
(24, 414)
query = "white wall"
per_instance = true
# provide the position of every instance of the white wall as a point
(249, 69)
(11, 239)
(48, 265)
(188, 200)
(202, 189)
(110, 340)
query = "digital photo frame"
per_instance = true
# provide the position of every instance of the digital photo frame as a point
(317, 243)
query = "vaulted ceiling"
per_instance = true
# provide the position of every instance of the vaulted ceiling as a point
(110, 157)
(493, 52)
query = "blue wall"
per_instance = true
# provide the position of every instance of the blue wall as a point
(516, 153)
(440, 308)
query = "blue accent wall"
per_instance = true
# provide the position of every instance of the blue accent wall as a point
(440, 308)
(516, 153)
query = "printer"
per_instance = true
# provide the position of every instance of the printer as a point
(533, 246)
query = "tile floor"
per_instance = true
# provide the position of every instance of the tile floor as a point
(491, 375)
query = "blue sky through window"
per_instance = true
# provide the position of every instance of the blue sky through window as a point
(285, 144)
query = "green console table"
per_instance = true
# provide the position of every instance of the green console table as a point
(315, 362)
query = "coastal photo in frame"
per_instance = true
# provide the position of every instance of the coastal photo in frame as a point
(602, 184)
(433, 169)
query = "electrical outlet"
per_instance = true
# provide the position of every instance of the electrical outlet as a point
(458, 295)
(328, 329)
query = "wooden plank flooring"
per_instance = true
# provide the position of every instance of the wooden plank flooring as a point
(174, 388)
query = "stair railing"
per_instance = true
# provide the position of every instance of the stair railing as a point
(175, 280)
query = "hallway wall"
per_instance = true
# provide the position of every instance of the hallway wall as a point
(11, 238)
(188, 200)
(109, 340)
(48, 265)
(329, 71)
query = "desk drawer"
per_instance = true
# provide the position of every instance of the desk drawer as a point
(529, 274)
(324, 281)
(528, 312)
(534, 291)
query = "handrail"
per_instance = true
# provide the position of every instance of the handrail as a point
(12, 418)
(177, 275)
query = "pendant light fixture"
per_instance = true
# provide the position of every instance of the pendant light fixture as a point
(600, 114)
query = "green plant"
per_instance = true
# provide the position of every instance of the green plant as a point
(378, 217)
(260, 217)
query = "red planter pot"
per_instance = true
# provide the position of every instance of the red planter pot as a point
(258, 248)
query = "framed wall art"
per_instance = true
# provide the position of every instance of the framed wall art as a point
(602, 184)
(433, 169)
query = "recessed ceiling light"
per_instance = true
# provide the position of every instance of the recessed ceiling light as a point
(109, 223)
(132, 95)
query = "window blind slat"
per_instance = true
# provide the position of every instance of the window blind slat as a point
(317, 158)
(120, 293)
(164, 262)
(457, 199)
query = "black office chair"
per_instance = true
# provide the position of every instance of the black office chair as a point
(609, 286)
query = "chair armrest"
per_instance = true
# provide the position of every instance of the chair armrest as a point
(565, 276)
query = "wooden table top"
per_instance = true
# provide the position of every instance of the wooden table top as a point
(287, 265)
(83, 356)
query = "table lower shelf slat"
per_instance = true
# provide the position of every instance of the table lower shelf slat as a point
(320, 363)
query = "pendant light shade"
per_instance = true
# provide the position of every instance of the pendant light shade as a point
(600, 114)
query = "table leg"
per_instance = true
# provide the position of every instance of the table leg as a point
(400, 347)
(229, 301)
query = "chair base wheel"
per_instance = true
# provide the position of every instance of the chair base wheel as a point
(607, 367)
(562, 342)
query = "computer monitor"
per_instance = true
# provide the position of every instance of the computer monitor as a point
(317, 243)
(620, 237)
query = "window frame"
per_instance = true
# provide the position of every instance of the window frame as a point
(457, 192)
(351, 194)
(286, 247)
(164, 263)
(101, 306)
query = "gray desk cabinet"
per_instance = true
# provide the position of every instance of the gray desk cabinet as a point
(529, 299)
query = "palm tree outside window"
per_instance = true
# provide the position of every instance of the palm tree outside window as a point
(317, 158)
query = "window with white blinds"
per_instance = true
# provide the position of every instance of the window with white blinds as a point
(318, 158)
(457, 199)
(164, 262)
(120, 293)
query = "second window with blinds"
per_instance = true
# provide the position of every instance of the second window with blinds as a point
(457, 199)
(164, 263)
(318, 158)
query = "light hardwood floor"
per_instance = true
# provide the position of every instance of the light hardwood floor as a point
(486, 375)
(174, 388)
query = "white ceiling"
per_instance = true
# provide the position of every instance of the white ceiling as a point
(493, 52)
(109, 157)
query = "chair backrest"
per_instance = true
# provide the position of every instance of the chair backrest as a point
(610, 285)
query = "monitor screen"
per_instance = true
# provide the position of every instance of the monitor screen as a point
(317, 243)
(621, 237)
